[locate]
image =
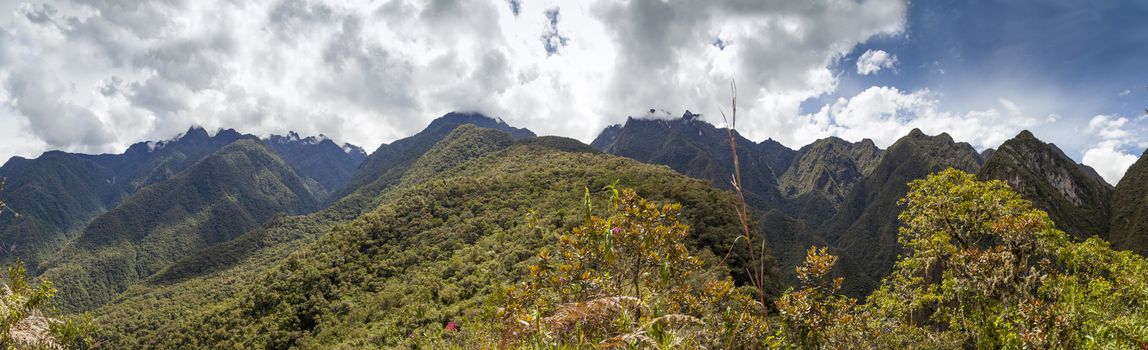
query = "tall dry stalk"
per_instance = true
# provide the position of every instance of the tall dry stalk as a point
(757, 270)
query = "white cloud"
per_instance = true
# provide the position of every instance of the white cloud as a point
(369, 72)
(1108, 154)
(873, 61)
(1126, 92)
(886, 114)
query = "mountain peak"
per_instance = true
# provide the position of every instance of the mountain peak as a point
(480, 120)
(1025, 134)
(946, 137)
(294, 138)
(194, 133)
(354, 150)
(468, 117)
(1071, 193)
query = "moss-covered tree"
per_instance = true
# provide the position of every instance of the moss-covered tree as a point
(627, 278)
(984, 266)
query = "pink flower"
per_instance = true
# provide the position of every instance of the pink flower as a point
(452, 326)
(616, 230)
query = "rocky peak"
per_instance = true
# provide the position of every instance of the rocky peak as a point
(353, 150)
(478, 119)
(194, 134)
(1129, 222)
(1073, 197)
(829, 167)
(293, 138)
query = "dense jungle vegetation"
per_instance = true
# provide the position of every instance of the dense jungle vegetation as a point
(484, 240)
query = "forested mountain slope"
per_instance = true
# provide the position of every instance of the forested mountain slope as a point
(387, 163)
(844, 195)
(1129, 225)
(221, 197)
(864, 232)
(57, 193)
(436, 248)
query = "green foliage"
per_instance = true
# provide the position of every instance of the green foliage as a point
(865, 230)
(1073, 195)
(1129, 221)
(228, 193)
(58, 193)
(809, 314)
(984, 266)
(977, 253)
(626, 279)
(22, 321)
(433, 251)
(448, 229)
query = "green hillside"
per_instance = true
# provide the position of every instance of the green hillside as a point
(437, 249)
(221, 197)
(830, 167)
(864, 232)
(53, 195)
(58, 193)
(823, 173)
(1129, 226)
(390, 160)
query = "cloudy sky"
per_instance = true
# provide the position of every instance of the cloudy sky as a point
(98, 75)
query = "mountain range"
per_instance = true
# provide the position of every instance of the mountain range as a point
(845, 195)
(299, 241)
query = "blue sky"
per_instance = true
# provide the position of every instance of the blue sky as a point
(96, 76)
(1086, 52)
(1074, 59)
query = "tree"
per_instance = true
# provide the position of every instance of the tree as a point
(983, 265)
(627, 278)
(810, 312)
(22, 323)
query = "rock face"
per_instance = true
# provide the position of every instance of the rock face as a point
(1074, 197)
(1129, 224)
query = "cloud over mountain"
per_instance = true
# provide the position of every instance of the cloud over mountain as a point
(96, 75)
